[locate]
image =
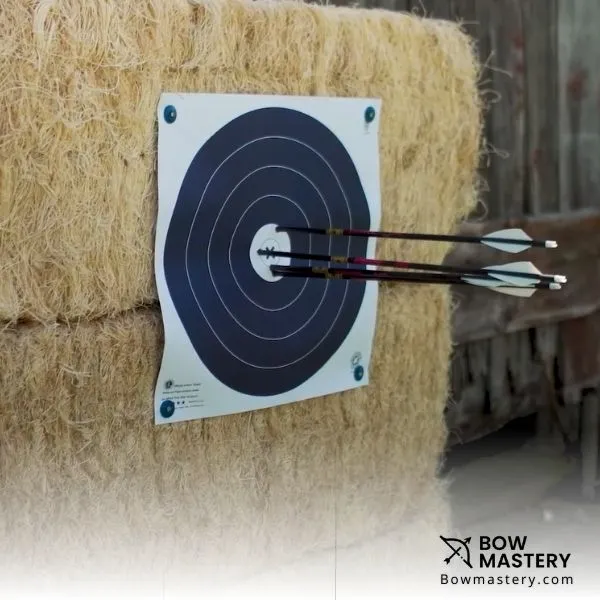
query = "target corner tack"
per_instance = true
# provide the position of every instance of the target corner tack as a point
(231, 168)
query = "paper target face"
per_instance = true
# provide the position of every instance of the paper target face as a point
(231, 169)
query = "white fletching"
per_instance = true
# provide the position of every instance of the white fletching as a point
(522, 266)
(524, 272)
(523, 291)
(510, 235)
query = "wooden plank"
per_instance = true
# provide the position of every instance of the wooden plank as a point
(590, 442)
(481, 314)
(479, 359)
(552, 420)
(579, 116)
(459, 381)
(499, 389)
(581, 352)
(466, 409)
(541, 85)
(505, 121)
(522, 375)
(546, 349)
(541, 173)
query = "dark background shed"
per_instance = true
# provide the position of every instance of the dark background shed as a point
(517, 358)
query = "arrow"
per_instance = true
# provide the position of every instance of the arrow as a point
(507, 240)
(518, 273)
(439, 278)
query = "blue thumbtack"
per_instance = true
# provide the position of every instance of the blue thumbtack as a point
(167, 408)
(369, 114)
(358, 373)
(170, 113)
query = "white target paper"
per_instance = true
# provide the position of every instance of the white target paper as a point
(230, 169)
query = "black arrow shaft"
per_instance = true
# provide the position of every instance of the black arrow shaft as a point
(360, 274)
(405, 265)
(413, 236)
(363, 274)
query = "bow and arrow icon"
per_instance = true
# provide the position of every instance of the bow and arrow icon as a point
(459, 548)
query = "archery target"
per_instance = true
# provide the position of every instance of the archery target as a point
(231, 168)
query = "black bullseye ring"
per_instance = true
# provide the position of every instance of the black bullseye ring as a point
(271, 165)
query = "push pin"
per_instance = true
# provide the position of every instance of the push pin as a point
(167, 408)
(170, 114)
(358, 372)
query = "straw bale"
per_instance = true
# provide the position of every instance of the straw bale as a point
(85, 476)
(79, 84)
(84, 472)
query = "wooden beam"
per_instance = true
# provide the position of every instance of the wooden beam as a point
(481, 314)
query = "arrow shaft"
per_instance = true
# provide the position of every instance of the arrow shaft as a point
(406, 265)
(359, 274)
(363, 274)
(414, 236)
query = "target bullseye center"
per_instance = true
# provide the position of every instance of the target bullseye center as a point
(268, 238)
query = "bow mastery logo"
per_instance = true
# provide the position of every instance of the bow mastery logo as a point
(460, 549)
(500, 554)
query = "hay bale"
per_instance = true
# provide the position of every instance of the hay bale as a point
(86, 477)
(79, 84)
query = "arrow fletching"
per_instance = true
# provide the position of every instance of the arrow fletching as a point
(524, 272)
(514, 241)
(522, 291)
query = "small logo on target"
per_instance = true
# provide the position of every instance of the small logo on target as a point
(356, 358)
(357, 368)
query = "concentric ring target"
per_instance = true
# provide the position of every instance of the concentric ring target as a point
(278, 166)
